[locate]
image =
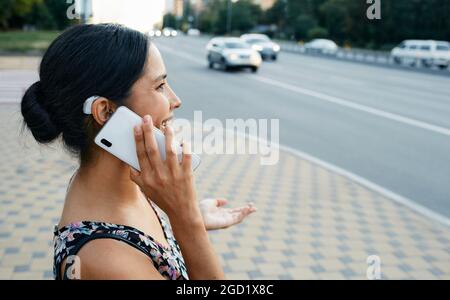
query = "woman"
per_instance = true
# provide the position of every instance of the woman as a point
(111, 226)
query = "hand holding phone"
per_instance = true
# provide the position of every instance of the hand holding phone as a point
(168, 183)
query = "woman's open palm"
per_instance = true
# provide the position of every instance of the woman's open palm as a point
(216, 216)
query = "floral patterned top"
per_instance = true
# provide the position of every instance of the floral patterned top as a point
(168, 261)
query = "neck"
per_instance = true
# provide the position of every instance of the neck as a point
(108, 182)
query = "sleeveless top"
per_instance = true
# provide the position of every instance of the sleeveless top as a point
(70, 239)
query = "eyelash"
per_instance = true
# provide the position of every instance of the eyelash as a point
(161, 86)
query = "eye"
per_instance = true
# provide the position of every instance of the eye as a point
(161, 86)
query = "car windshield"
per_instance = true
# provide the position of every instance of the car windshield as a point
(320, 42)
(443, 48)
(235, 45)
(256, 41)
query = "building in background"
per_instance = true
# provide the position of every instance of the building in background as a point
(175, 7)
(198, 5)
(178, 7)
(265, 4)
(142, 15)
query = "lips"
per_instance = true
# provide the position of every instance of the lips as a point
(165, 122)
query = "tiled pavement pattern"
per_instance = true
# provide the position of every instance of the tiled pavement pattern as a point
(311, 223)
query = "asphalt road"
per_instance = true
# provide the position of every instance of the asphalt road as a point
(389, 126)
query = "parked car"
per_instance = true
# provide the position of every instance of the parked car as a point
(193, 32)
(232, 53)
(428, 53)
(322, 46)
(262, 44)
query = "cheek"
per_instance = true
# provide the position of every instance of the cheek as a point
(157, 106)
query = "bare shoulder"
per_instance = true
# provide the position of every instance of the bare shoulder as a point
(113, 259)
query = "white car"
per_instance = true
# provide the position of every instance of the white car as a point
(428, 53)
(232, 53)
(193, 32)
(322, 46)
(155, 33)
(262, 44)
(169, 32)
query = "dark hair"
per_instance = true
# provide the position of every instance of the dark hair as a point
(85, 60)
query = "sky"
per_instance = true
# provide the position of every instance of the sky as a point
(137, 14)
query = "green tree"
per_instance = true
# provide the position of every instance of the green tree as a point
(6, 10)
(58, 11)
(169, 20)
(245, 16)
(317, 33)
(303, 24)
(40, 17)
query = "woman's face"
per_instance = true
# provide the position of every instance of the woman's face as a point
(151, 94)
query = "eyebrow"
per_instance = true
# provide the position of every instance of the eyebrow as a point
(160, 77)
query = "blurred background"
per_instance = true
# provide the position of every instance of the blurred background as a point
(362, 92)
(343, 21)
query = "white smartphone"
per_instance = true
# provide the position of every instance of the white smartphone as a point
(117, 137)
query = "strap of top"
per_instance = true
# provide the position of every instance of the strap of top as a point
(95, 236)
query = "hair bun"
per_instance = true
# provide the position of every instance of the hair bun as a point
(36, 117)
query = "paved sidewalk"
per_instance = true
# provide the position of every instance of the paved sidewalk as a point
(19, 62)
(311, 224)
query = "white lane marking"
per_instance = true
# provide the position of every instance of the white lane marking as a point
(355, 106)
(422, 210)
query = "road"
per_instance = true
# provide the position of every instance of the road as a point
(391, 127)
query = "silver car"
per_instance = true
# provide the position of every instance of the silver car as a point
(231, 53)
(262, 44)
(322, 46)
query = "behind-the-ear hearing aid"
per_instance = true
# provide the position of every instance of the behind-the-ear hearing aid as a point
(87, 106)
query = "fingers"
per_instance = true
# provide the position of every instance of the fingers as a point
(171, 155)
(246, 212)
(239, 209)
(140, 149)
(151, 147)
(187, 157)
(135, 176)
(221, 202)
(239, 214)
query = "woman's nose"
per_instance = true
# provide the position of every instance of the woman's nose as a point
(175, 102)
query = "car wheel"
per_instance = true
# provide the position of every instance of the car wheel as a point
(274, 57)
(224, 65)
(254, 69)
(426, 63)
(211, 65)
(397, 60)
(443, 67)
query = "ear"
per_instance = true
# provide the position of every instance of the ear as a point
(102, 109)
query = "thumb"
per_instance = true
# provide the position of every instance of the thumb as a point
(134, 175)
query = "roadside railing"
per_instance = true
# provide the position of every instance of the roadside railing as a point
(354, 54)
